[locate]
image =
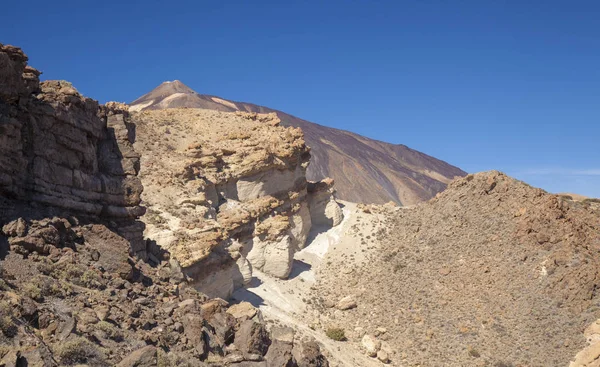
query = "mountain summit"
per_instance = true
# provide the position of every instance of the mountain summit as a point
(365, 170)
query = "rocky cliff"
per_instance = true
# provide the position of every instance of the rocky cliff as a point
(74, 286)
(227, 193)
(64, 152)
(365, 170)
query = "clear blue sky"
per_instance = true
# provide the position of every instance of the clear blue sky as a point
(508, 85)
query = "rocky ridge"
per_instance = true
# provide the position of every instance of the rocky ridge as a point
(365, 170)
(78, 283)
(227, 193)
(489, 272)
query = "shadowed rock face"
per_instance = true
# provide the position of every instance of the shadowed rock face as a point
(365, 170)
(64, 152)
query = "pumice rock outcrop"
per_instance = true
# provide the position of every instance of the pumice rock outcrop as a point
(366, 170)
(65, 152)
(227, 193)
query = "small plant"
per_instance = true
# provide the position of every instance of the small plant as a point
(78, 350)
(91, 279)
(336, 334)
(109, 330)
(32, 291)
(8, 327)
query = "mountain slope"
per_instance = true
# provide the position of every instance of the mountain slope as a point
(492, 272)
(365, 170)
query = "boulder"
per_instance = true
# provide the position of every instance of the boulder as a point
(144, 357)
(242, 310)
(252, 338)
(371, 345)
(346, 303)
(280, 354)
(308, 354)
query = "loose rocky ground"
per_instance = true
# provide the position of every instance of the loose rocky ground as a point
(83, 300)
(492, 272)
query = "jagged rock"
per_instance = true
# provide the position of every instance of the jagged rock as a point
(308, 354)
(65, 328)
(113, 250)
(279, 354)
(37, 356)
(324, 210)
(383, 356)
(283, 334)
(242, 310)
(252, 338)
(144, 357)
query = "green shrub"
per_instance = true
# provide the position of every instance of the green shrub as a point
(91, 279)
(336, 334)
(32, 291)
(78, 350)
(8, 327)
(109, 330)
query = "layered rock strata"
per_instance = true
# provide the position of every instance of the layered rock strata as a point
(64, 152)
(227, 193)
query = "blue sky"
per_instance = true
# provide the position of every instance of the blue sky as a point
(507, 85)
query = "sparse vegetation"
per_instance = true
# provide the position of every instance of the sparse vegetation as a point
(336, 334)
(91, 279)
(591, 200)
(32, 291)
(79, 350)
(474, 353)
(109, 330)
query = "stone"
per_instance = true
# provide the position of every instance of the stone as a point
(113, 249)
(242, 310)
(279, 354)
(65, 328)
(371, 345)
(383, 356)
(274, 257)
(38, 356)
(252, 338)
(144, 357)
(308, 354)
(283, 334)
(346, 303)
